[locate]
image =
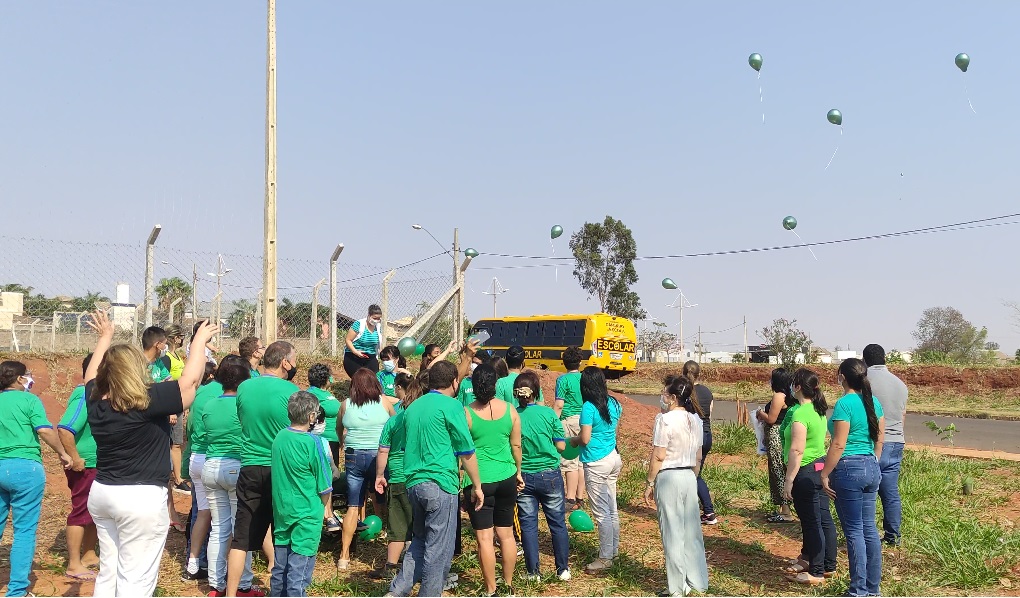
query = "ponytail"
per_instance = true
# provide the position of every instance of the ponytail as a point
(683, 389)
(855, 372)
(810, 387)
(411, 386)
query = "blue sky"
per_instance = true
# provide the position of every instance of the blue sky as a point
(504, 119)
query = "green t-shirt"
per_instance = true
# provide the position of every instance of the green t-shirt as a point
(254, 373)
(393, 439)
(466, 392)
(388, 382)
(492, 446)
(222, 428)
(540, 430)
(505, 389)
(331, 406)
(196, 426)
(814, 446)
(262, 410)
(158, 371)
(21, 417)
(436, 435)
(301, 475)
(76, 421)
(850, 408)
(568, 390)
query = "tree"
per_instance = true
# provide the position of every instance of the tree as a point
(943, 333)
(170, 289)
(656, 339)
(88, 302)
(991, 346)
(785, 340)
(895, 358)
(737, 358)
(604, 256)
(1017, 356)
(241, 322)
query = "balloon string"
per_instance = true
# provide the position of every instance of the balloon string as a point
(557, 268)
(967, 93)
(837, 148)
(761, 99)
(809, 248)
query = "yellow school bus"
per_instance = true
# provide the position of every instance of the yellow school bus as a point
(605, 341)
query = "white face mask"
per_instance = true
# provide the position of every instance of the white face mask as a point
(162, 351)
(376, 322)
(663, 404)
(28, 383)
(389, 365)
(473, 366)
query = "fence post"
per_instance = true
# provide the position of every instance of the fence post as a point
(460, 297)
(332, 298)
(173, 304)
(77, 333)
(53, 333)
(31, 333)
(313, 329)
(258, 316)
(458, 300)
(385, 300)
(150, 257)
(217, 299)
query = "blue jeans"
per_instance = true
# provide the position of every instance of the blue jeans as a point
(292, 572)
(703, 495)
(889, 490)
(435, 525)
(360, 467)
(220, 478)
(855, 481)
(544, 488)
(22, 482)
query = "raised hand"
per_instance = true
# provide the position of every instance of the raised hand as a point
(100, 322)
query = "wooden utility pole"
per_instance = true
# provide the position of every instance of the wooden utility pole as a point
(746, 360)
(269, 258)
(458, 301)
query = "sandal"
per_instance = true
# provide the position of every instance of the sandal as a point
(343, 564)
(806, 579)
(800, 567)
(180, 527)
(779, 518)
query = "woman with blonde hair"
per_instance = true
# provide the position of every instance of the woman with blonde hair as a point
(128, 416)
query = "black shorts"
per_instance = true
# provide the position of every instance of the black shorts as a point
(254, 507)
(499, 507)
(353, 364)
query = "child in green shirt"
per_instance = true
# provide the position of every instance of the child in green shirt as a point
(301, 489)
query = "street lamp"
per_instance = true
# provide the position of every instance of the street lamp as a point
(420, 227)
(219, 274)
(332, 297)
(682, 303)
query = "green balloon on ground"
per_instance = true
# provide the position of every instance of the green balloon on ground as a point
(667, 283)
(962, 61)
(789, 223)
(571, 452)
(471, 252)
(580, 521)
(556, 231)
(419, 350)
(835, 117)
(406, 346)
(755, 61)
(374, 527)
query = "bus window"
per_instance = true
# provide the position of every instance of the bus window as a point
(534, 336)
(553, 333)
(513, 335)
(498, 332)
(573, 333)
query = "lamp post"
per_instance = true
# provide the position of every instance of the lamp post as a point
(150, 256)
(681, 303)
(332, 297)
(219, 274)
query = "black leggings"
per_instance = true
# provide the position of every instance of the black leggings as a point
(352, 363)
(812, 506)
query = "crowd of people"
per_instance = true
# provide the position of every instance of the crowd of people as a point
(261, 460)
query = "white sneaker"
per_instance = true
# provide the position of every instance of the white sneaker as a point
(565, 576)
(451, 582)
(533, 578)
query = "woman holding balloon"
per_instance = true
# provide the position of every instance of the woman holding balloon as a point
(364, 343)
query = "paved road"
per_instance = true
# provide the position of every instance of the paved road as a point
(980, 434)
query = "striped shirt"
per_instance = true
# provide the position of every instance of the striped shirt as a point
(680, 433)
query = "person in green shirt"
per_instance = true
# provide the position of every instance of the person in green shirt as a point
(76, 438)
(857, 427)
(319, 379)
(804, 447)
(436, 438)
(542, 440)
(391, 458)
(251, 350)
(393, 363)
(568, 408)
(301, 488)
(262, 411)
(23, 424)
(515, 365)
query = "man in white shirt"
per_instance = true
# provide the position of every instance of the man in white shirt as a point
(891, 393)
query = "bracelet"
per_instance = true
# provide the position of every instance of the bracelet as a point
(650, 484)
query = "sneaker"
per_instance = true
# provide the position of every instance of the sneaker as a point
(564, 575)
(202, 575)
(533, 577)
(362, 526)
(598, 565)
(451, 582)
(387, 572)
(217, 593)
(709, 519)
(184, 487)
(251, 592)
(333, 524)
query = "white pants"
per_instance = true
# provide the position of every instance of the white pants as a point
(195, 465)
(600, 481)
(132, 523)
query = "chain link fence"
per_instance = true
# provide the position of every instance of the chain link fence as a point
(47, 288)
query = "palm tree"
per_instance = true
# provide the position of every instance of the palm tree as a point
(170, 289)
(16, 288)
(88, 302)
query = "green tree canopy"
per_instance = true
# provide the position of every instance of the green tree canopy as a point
(943, 334)
(604, 256)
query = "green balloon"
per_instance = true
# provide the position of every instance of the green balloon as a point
(835, 117)
(556, 231)
(419, 350)
(789, 223)
(580, 521)
(374, 527)
(571, 452)
(755, 61)
(406, 346)
(962, 61)
(667, 283)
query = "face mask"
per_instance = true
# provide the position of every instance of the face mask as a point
(792, 393)
(376, 322)
(28, 383)
(318, 428)
(291, 373)
(331, 381)
(389, 365)
(162, 352)
(663, 404)
(473, 366)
